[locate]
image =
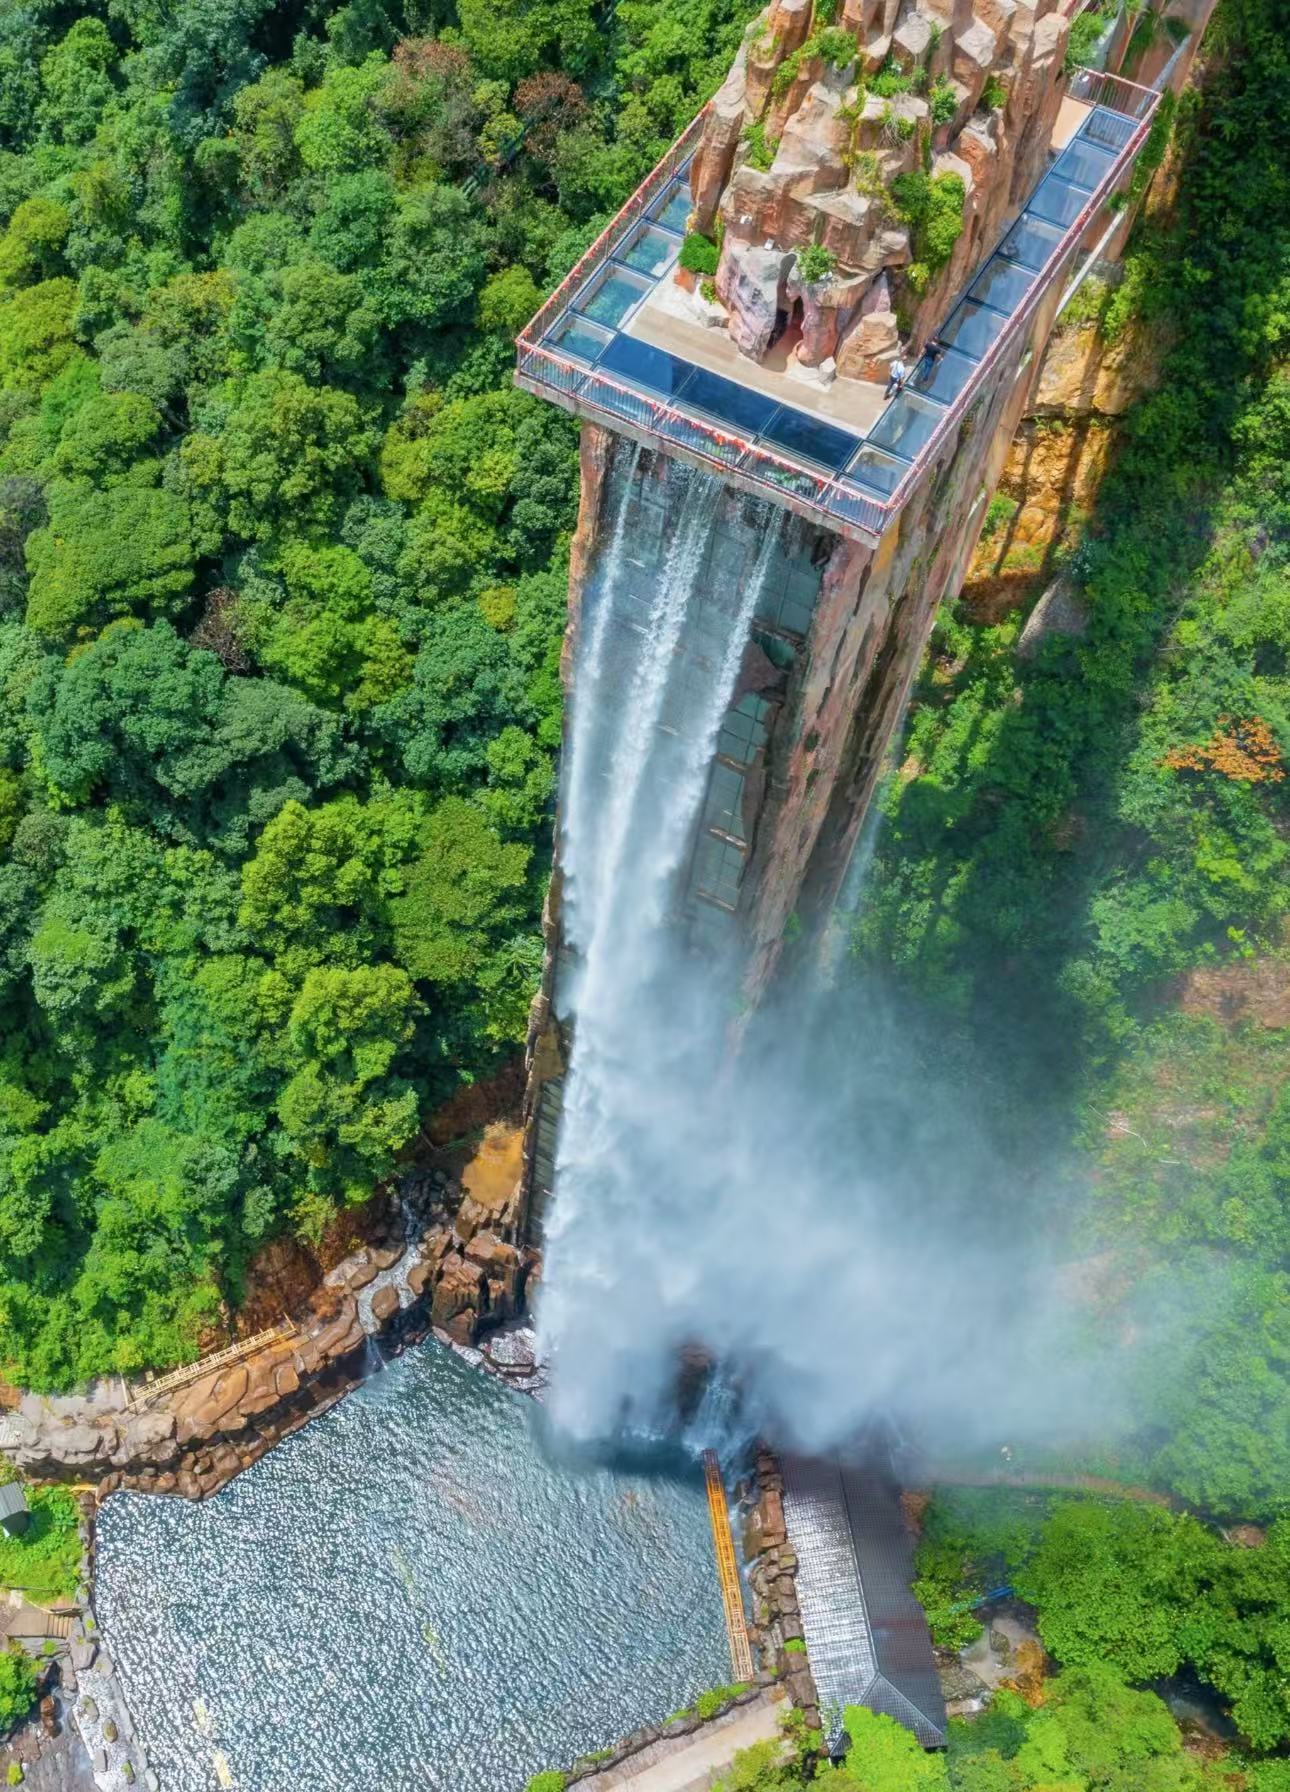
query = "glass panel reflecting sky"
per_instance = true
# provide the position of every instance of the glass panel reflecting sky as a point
(675, 208)
(1001, 283)
(972, 328)
(576, 336)
(1083, 162)
(613, 296)
(1057, 200)
(650, 250)
(1031, 242)
(944, 380)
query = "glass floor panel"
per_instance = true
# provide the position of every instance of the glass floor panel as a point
(1001, 283)
(905, 425)
(652, 368)
(650, 250)
(1031, 242)
(613, 296)
(877, 472)
(1084, 162)
(944, 379)
(813, 440)
(676, 208)
(972, 328)
(1057, 201)
(1110, 128)
(578, 337)
(747, 410)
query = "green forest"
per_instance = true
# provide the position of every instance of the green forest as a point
(1072, 838)
(283, 560)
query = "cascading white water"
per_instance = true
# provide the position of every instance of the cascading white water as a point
(819, 1212)
(649, 700)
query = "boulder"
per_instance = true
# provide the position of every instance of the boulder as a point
(1060, 611)
(385, 1303)
(421, 1272)
(458, 1297)
(870, 346)
(385, 1256)
(360, 1272)
(910, 41)
(750, 282)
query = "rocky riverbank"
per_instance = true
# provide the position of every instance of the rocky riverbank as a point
(771, 1565)
(438, 1258)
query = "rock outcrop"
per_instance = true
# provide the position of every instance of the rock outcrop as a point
(458, 1267)
(808, 132)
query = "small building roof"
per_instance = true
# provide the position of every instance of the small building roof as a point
(866, 1633)
(13, 1501)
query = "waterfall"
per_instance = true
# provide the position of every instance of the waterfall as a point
(649, 697)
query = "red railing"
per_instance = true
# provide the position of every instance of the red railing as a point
(837, 498)
(618, 226)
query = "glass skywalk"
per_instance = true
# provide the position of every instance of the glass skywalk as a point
(582, 346)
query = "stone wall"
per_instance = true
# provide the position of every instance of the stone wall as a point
(771, 1565)
(441, 1259)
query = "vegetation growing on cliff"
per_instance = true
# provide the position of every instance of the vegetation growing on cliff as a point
(1080, 841)
(282, 579)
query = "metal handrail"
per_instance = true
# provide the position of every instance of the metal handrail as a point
(626, 215)
(835, 495)
(1026, 309)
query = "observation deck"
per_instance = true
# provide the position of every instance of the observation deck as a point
(608, 347)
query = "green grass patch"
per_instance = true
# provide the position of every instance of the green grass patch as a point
(45, 1561)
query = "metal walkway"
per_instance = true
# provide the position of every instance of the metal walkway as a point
(866, 1634)
(732, 1589)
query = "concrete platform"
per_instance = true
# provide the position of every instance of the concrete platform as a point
(663, 323)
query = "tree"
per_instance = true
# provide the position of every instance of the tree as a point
(460, 897)
(885, 1757)
(516, 37)
(17, 1687)
(315, 888)
(36, 334)
(287, 452)
(345, 1116)
(108, 553)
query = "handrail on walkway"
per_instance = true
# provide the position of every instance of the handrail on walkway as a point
(139, 1396)
(835, 497)
(732, 1593)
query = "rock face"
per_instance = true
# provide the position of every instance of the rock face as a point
(836, 145)
(191, 1439)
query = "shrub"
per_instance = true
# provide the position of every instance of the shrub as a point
(1084, 34)
(552, 1780)
(761, 150)
(14, 1774)
(993, 94)
(890, 81)
(699, 254)
(795, 1646)
(815, 262)
(944, 101)
(999, 513)
(17, 1687)
(932, 207)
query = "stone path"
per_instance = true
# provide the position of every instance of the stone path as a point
(701, 1759)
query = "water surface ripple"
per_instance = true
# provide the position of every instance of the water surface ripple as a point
(410, 1593)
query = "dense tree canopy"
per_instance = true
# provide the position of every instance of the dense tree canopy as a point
(282, 577)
